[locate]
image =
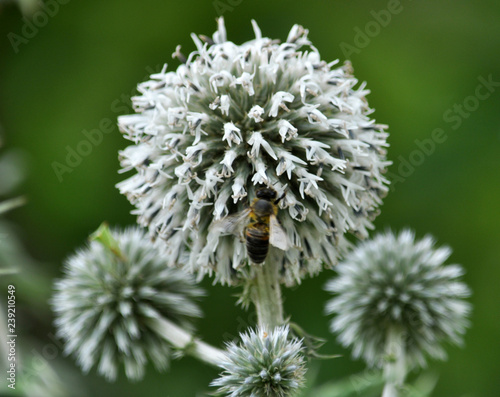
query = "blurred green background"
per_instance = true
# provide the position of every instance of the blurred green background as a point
(72, 66)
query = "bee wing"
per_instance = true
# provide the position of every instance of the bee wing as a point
(277, 236)
(231, 224)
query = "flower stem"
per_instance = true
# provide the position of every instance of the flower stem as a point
(395, 366)
(185, 341)
(266, 296)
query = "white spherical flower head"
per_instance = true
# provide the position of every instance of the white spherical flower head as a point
(104, 302)
(264, 364)
(393, 283)
(235, 118)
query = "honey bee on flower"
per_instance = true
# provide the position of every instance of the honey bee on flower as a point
(235, 117)
(258, 224)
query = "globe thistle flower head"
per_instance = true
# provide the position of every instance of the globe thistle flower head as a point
(106, 297)
(393, 283)
(234, 118)
(265, 364)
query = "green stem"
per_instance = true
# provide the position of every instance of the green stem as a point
(183, 340)
(10, 204)
(395, 366)
(266, 296)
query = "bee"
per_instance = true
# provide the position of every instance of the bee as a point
(258, 224)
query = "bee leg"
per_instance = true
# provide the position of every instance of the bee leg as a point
(242, 236)
(280, 198)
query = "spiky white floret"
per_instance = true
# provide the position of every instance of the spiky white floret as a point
(264, 364)
(234, 118)
(103, 302)
(393, 283)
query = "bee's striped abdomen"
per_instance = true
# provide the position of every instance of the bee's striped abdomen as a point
(257, 238)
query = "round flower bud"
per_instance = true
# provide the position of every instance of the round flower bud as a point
(394, 284)
(106, 297)
(264, 364)
(236, 118)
